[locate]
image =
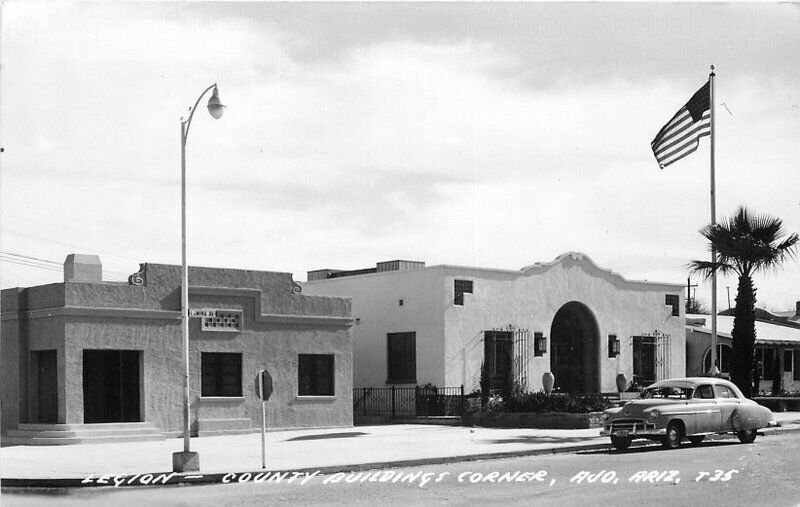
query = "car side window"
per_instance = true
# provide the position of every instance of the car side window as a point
(724, 392)
(704, 392)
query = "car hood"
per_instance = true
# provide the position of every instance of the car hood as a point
(637, 407)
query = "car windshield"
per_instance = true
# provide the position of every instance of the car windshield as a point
(666, 392)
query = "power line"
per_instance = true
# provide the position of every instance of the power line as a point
(46, 264)
(70, 245)
(23, 261)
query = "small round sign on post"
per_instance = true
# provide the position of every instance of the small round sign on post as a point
(264, 384)
(264, 390)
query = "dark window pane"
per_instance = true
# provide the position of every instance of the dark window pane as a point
(221, 374)
(673, 300)
(315, 375)
(401, 358)
(767, 360)
(462, 287)
(796, 373)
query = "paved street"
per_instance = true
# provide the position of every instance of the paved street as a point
(330, 450)
(721, 472)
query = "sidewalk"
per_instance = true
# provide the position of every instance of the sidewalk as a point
(329, 451)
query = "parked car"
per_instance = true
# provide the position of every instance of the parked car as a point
(672, 410)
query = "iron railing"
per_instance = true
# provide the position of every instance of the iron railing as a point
(419, 401)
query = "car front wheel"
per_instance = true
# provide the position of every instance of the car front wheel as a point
(621, 443)
(672, 440)
(746, 436)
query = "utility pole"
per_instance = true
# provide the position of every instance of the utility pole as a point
(689, 298)
(729, 296)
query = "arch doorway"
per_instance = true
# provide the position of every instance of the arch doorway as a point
(574, 340)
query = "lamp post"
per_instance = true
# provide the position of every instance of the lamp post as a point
(188, 461)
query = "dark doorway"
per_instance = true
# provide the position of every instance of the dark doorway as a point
(111, 386)
(498, 361)
(574, 356)
(45, 409)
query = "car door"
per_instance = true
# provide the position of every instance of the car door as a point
(727, 403)
(706, 409)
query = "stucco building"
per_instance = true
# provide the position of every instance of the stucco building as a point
(86, 351)
(777, 349)
(440, 325)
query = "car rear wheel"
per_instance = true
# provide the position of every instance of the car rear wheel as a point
(621, 443)
(746, 436)
(696, 439)
(672, 440)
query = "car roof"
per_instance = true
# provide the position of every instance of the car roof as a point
(690, 382)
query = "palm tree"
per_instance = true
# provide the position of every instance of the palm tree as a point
(745, 243)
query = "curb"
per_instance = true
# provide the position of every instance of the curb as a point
(155, 479)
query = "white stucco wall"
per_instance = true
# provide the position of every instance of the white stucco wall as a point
(377, 312)
(529, 299)
(449, 337)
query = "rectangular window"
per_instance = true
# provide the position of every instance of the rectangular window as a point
(787, 360)
(221, 374)
(765, 363)
(462, 287)
(315, 375)
(401, 358)
(674, 301)
(796, 372)
(613, 345)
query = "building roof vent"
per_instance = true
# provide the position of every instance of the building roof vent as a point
(83, 268)
(399, 265)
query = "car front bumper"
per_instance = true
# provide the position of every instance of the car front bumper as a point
(632, 429)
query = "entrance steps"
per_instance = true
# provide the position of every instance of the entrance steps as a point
(72, 434)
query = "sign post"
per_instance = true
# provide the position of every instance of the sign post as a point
(264, 382)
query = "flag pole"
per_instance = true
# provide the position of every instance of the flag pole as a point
(714, 369)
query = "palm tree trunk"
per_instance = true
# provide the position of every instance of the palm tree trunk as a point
(744, 337)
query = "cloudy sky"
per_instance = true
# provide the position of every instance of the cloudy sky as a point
(478, 134)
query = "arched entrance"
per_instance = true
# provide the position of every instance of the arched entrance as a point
(574, 340)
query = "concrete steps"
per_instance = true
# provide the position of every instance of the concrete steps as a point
(71, 434)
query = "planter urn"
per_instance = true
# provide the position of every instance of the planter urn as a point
(622, 382)
(548, 380)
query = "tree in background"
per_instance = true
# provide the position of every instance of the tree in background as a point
(746, 244)
(693, 305)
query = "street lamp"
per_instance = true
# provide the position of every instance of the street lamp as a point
(188, 461)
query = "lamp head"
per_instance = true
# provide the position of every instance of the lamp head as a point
(215, 107)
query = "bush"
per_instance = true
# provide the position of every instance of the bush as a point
(539, 401)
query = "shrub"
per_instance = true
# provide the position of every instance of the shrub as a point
(539, 401)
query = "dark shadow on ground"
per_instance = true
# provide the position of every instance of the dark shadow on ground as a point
(644, 446)
(324, 436)
(541, 440)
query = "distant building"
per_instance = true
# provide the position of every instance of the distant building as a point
(85, 352)
(777, 349)
(790, 316)
(441, 325)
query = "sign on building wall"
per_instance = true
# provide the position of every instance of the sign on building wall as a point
(217, 320)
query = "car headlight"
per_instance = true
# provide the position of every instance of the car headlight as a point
(653, 414)
(605, 416)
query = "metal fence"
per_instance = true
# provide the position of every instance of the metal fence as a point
(420, 401)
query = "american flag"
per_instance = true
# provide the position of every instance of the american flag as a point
(680, 136)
